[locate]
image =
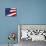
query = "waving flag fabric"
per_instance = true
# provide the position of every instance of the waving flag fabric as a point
(10, 11)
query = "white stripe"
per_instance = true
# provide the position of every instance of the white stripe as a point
(8, 15)
(11, 14)
(12, 10)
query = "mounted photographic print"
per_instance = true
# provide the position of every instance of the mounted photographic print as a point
(10, 11)
(32, 32)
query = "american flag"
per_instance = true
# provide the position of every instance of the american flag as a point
(10, 11)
